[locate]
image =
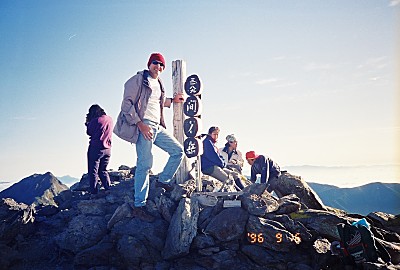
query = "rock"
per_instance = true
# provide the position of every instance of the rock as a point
(290, 184)
(203, 241)
(295, 227)
(184, 190)
(288, 204)
(182, 229)
(262, 256)
(15, 219)
(228, 225)
(322, 246)
(270, 234)
(259, 205)
(393, 249)
(321, 221)
(97, 255)
(82, 232)
(256, 188)
(120, 213)
(166, 207)
(265, 233)
(124, 168)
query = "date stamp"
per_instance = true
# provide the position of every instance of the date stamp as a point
(259, 238)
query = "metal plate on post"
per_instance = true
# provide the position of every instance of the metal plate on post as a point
(232, 203)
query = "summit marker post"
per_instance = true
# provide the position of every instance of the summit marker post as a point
(178, 76)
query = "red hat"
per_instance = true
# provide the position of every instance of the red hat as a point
(157, 57)
(251, 155)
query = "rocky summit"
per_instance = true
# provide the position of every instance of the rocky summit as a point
(244, 230)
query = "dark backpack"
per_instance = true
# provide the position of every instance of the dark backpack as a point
(358, 244)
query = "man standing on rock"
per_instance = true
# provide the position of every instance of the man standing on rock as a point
(142, 108)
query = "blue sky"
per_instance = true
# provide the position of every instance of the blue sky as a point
(305, 82)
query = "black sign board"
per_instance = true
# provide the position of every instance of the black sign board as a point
(191, 126)
(193, 85)
(192, 106)
(192, 147)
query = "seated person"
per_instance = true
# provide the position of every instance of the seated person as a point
(212, 163)
(265, 166)
(232, 157)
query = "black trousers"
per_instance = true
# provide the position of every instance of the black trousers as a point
(98, 160)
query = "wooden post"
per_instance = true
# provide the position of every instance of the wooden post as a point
(178, 80)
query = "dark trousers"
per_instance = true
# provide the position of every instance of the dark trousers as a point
(98, 160)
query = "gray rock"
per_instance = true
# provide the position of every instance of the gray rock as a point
(203, 241)
(228, 225)
(82, 232)
(290, 184)
(16, 219)
(259, 205)
(322, 246)
(270, 234)
(295, 227)
(393, 249)
(288, 204)
(97, 255)
(265, 257)
(120, 213)
(182, 229)
(166, 207)
(321, 221)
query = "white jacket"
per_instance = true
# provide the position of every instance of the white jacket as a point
(236, 159)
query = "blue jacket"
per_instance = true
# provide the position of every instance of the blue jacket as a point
(210, 156)
(266, 167)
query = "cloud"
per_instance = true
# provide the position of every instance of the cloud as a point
(267, 81)
(72, 36)
(394, 3)
(287, 84)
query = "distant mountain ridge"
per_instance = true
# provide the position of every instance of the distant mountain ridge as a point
(68, 180)
(364, 199)
(37, 188)
(347, 176)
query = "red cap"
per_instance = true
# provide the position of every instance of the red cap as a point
(251, 155)
(157, 57)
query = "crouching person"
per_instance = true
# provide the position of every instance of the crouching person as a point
(282, 183)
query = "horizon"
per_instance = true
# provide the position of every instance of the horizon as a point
(309, 173)
(302, 82)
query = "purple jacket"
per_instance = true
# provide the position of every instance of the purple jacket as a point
(100, 131)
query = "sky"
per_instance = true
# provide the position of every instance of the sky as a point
(304, 82)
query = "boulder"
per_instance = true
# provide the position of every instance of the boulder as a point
(288, 184)
(182, 229)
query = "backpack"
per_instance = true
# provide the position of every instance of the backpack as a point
(358, 244)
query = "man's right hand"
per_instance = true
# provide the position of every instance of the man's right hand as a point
(146, 130)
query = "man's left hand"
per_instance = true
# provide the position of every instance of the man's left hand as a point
(178, 98)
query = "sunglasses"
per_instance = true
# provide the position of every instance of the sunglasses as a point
(157, 63)
(232, 141)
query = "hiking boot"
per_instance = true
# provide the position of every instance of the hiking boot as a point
(142, 214)
(164, 186)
